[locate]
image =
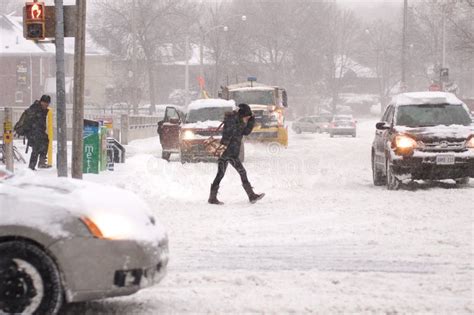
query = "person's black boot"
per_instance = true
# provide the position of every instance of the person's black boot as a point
(42, 163)
(213, 196)
(253, 197)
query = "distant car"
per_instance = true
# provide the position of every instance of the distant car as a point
(343, 125)
(314, 124)
(426, 136)
(64, 240)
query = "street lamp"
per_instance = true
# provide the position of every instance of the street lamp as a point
(224, 27)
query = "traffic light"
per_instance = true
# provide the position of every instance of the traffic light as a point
(34, 20)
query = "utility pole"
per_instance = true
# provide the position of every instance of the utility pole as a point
(404, 45)
(186, 74)
(443, 52)
(134, 62)
(60, 92)
(79, 74)
(201, 53)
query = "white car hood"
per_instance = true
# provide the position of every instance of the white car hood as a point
(45, 203)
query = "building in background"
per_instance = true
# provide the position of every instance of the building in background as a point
(28, 69)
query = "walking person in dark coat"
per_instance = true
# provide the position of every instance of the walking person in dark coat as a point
(236, 125)
(37, 137)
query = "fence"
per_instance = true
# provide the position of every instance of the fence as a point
(126, 128)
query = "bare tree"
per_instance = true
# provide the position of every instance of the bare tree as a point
(340, 47)
(381, 47)
(141, 35)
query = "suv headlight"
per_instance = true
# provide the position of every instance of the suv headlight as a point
(405, 142)
(188, 135)
(404, 145)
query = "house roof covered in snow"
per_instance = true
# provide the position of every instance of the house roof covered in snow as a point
(345, 64)
(12, 41)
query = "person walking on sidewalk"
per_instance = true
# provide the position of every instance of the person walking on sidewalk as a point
(236, 125)
(37, 137)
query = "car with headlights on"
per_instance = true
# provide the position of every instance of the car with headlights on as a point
(426, 136)
(65, 240)
(203, 120)
(342, 125)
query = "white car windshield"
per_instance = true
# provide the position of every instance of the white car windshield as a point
(207, 113)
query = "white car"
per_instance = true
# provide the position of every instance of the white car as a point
(65, 240)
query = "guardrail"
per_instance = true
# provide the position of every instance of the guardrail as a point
(137, 127)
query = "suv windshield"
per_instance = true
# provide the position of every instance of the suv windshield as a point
(253, 97)
(207, 113)
(432, 115)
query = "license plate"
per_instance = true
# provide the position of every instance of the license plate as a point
(445, 159)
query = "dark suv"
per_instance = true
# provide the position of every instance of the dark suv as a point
(425, 135)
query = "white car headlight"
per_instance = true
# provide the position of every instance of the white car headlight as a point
(188, 135)
(470, 143)
(108, 226)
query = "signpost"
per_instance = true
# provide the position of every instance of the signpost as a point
(8, 139)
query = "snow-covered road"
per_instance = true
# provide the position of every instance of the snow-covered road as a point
(323, 240)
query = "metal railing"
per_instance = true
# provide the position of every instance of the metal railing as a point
(126, 128)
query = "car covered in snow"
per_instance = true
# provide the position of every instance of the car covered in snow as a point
(204, 119)
(426, 136)
(342, 125)
(187, 135)
(64, 240)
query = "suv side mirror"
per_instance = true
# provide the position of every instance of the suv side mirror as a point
(382, 126)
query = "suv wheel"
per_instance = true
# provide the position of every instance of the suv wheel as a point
(298, 130)
(393, 183)
(377, 175)
(30, 280)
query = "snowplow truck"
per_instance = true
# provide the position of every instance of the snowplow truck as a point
(268, 103)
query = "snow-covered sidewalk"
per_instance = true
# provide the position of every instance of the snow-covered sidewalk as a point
(323, 240)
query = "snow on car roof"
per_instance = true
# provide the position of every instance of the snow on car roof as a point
(418, 98)
(210, 102)
(255, 88)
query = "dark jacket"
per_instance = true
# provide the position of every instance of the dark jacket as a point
(234, 130)
(37, 124)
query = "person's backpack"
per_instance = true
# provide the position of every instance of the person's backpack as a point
(22, 127)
